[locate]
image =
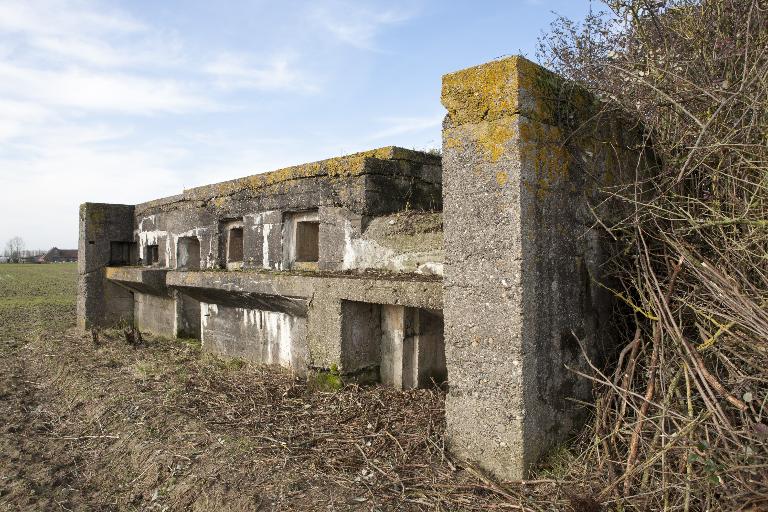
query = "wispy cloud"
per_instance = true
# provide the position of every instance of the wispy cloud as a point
(357, 25)
(63, 17)
(75, 55)
(96, 103)
(278, 73)
(93, 90)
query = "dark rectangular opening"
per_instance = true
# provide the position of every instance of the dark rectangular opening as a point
(120, 253)
(404, 345)
(152, 255)
(235, 245)
(307, 241)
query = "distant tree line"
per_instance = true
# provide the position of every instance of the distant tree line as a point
(15, 251)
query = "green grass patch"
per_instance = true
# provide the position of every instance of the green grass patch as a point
(35, 298)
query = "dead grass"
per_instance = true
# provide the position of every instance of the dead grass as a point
(164, 427)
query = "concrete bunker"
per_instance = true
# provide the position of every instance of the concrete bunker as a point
(340, 263)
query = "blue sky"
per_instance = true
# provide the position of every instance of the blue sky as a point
(126, 101)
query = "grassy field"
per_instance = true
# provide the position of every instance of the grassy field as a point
(111, 427)
(34, 298)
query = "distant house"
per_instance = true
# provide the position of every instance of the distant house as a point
(4, 259)
(56, 255)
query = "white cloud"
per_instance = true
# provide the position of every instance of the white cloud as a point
(16, 117)
(94, 90)
(231, 71)
(78, 79)
(355, 25)
(75, 54)
(41, 17)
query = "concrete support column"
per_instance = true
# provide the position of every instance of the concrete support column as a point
(520, 259)
(324, 333)
(397, 347)
(101, 303)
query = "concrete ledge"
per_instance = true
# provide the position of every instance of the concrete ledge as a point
(377, 288)
(138, 279)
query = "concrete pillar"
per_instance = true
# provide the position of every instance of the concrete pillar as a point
(412, 350)
(101, 303)
(520, 260)
(325, 332)
(397, 362)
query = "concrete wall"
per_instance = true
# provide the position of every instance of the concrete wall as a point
(267, 337)
(188, 316)
(409, 242)
(406, 242)
(100, 302)
(346, 193)
(521, 256)
(155, 314)
(360, 336)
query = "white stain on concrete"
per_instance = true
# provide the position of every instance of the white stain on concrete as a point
(206, 310)
(267, 229)
(270, 333)
(364, 254)
(153, 238)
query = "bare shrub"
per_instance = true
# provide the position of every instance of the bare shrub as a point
(680, 422)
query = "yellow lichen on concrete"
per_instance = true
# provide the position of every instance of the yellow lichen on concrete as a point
(501, 178)
(452, 142)
(339, 167)
(498, 89)
(220, 201)
(512, 86)
(493, 139)
(550, 165)
(480, 93)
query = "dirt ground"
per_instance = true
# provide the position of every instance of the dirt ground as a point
(161, 426)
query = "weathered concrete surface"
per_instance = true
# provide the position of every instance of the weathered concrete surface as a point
(101, 303)
(520, 259)
(155, 314)
(139, 279)
(410, 242)
(319, 297)
(343, 194)
(412, 348)
(266, 337)
(360, 336)
(188, 317)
